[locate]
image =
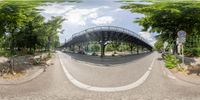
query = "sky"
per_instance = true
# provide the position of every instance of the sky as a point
(92, 13)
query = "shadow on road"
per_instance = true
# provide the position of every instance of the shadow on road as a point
(107, 60)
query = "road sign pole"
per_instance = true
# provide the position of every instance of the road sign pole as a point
(183, 54)
(182, 39)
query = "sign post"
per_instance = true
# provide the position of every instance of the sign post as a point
(181, 39)
(165, 45)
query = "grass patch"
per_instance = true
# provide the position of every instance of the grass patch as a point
(5, 53)
(192, 52)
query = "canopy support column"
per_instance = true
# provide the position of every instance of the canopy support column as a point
(131, 46)
(137, 48)
(102, 43)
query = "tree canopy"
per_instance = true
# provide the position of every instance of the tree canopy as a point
(23, 28)
(167, 18)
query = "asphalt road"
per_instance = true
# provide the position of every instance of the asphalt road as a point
(120, 71)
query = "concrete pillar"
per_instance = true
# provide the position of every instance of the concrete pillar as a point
(102, 43)
(73, 46)
(131, 46)
(137, 48)
(102, 49)
(79, 47)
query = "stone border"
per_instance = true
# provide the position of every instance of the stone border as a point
(181, 77)
(171, 75)
(168, 73)
(27, 78)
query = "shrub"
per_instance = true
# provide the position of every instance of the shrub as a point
(171, 61)
(192, 52)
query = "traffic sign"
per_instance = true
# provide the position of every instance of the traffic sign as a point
(181, 34)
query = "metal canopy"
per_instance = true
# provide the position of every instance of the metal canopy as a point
(108, 33)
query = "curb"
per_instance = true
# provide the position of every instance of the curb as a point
(185, 80)
(27, 78)
(169, 74)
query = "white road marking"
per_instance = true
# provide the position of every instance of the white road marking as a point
(166, 73)
(172, 77)
(106, 89)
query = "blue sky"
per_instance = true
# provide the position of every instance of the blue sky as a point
(91, 13)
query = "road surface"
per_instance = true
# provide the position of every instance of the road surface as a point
(107, 74)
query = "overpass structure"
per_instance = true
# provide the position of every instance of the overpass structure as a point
(105, 35)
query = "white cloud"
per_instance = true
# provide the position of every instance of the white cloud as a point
(103, 20)
(93, 15)
(75, 16)
(56, 9)
(105, 7)
(79, 16)
(148, 37)
(118, 10)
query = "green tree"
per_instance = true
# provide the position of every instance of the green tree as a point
(109, 47)
(26, 28)
(158, 45)
(95, 47)
(167, 18)
(12, 18)
(115, 46)
(53, 27)
(23, 28)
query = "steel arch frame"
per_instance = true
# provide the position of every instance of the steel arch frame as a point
(105, 33)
